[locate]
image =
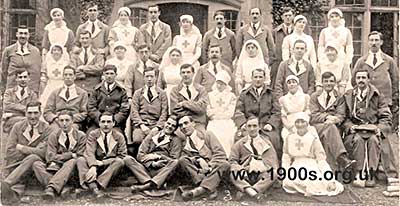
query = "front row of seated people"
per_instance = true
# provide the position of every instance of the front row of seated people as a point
(52, 155)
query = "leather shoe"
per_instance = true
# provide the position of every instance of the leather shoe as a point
(187, 195)
(49, 194)
(370, 183)
(213, 195)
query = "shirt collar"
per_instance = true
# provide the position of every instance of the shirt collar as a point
(70, 87)
(19, 88)
(295, 61)
(155, 24)
(255, 24)
(107, 85)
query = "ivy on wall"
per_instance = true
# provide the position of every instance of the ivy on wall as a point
(310, 7)
(104, 7)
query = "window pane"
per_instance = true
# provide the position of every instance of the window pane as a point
(23, 4)
(139, 16)
(357, 33)
(231, 19)
(394, 3)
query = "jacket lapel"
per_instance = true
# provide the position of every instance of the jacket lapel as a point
(111, 144)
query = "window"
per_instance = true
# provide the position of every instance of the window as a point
(23, 4)
(350, 2)
(139, 16)
(23, 12)
(316, 25)
(231, 19)
(354, 23)
(386, 3)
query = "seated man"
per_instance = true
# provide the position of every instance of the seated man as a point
(104, 154)
(158, 157)
(15, 100)
(189, 98)
(203, 157)
(149, 110)
(368, 122)
(69, 97)
(111, 97)
(251, 157)
(64, 147)
(258, 100)
(207, 72)
(88, 62)
(328, 111)
(134, 76)
(26, 145)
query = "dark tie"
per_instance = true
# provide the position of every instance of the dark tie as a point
(67, 143)
(67, 93)
(375, 60)
(149, 94)
(22, 49)
(189, 92)
(93, 28)
(191, 143)
(153, 32)
(161, 138)
(22, 92)
(254, 28)
(85, 57)
(215, 68)
(105, 144)
(297, 67)
(253, 147)
(219, 33)
(31, 132)
(328, 98)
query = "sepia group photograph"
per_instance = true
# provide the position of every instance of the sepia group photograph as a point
(199, 102)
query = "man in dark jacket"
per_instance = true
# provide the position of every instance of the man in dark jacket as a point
(111, 97)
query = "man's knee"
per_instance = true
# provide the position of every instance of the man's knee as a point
(32, 158)
(118, 162)
(137, 135)
(38, 165)
(81, 161)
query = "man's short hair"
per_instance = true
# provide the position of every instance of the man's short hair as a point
(91, 4)
(152, 6)
(184, 66)
(175, 118)
(20, 71)
(362, 70)
(299, 41)
(287, 9)
(327, 75)
(251, 117)
(258, 70)
(66, 112)
(215, 45)
(255, 8)
(188, 116)
(219, 12)
(69, 67)
(22, 27)
(84, 32)
(143, 46)
(376, 33)
(34, 104)
(107, 113)
(110, 67)
(149, 69)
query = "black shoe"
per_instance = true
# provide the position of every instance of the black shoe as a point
(8, 196)
(213, 195)
(187, 195)
(98, 193)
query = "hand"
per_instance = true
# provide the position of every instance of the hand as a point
(319, 90)
(91, 175)
(108, 161)
(267, 127)
(101, 51)
(154, 57)
(19, 147)
(352, 129)
(145, 129)
(203, 163)
(74, 155)
(130, 100)
(154, 131)
(205, 170)
(152, 157)
(99, 163)
(378, 131)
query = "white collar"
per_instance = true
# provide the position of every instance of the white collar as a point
(378, 54)
(70, 87)
(19, 89)
(256, 24)
(94, 22)
(155, 24)
(108, 85)
(217, 66)
(25, 46)
(295, 61)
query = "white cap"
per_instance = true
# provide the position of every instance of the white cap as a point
(187, 17)
(126, 9)
(223, 76)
